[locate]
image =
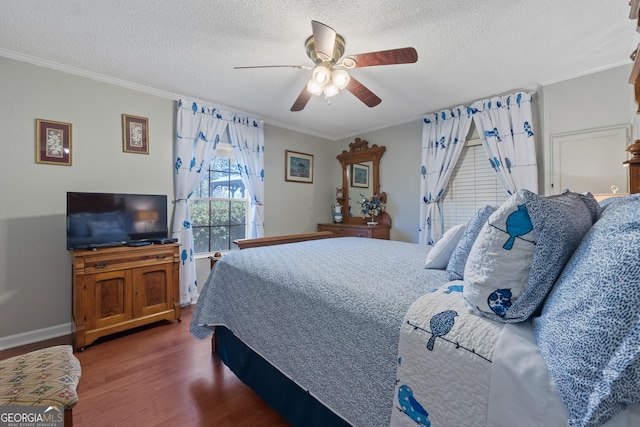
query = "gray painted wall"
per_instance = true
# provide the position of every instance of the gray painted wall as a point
(35, 268)
(35, 271)
(596, 100)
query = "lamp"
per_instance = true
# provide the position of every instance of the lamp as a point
(148, 217)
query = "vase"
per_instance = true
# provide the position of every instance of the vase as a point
(337, 213)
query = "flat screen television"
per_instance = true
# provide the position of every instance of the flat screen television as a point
(109, 219)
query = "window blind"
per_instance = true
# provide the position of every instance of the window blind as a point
(473, 184)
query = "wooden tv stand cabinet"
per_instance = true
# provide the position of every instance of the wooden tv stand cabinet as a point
(120, 288)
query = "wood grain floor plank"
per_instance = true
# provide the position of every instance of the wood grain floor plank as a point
(161, 375)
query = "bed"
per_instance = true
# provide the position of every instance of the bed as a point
(353, 331)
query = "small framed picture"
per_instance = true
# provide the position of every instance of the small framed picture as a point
(135, 134)
(53, 142)
(360, 176)
(298, 167)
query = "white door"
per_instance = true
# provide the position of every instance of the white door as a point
(591, 160)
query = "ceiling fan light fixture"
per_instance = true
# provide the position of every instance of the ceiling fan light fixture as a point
(340, 78)
(314, 87)
(321, 74)
(331, 90)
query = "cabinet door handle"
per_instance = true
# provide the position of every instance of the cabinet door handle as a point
(101, 264)
(161, 257)
(359, 235)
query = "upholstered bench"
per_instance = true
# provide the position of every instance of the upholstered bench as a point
(47, 377)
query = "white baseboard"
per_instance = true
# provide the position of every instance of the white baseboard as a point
(35, 336)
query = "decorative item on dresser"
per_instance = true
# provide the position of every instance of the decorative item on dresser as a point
(119, 288)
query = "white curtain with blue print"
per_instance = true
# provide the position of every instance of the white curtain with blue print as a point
(247, 139)
(505, 128)
(198, 131)
(443, 136)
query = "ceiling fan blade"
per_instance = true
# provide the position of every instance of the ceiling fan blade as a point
(324, 38)
(302, 100)
(362, 93)
(302, 67)
(405, 55)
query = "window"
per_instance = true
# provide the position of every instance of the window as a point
(219, 205)
(473, 184)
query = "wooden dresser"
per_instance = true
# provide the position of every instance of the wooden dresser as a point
(119, 288)
(378, 231)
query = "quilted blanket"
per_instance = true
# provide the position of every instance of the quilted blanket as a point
(444, 362)
(327, 313)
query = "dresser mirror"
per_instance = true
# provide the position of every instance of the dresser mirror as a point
(360, 175)
(359, 178)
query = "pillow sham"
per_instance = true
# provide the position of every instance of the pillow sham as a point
(559, 223)
(455, 267)
(589, 329)
(438, 257)
(497, 269)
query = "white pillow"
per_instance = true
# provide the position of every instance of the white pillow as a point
(497, 270)
(438, 256)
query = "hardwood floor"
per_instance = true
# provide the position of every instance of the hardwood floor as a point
(161, 376)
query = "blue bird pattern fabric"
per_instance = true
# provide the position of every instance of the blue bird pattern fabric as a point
(497, 269)
(412, 407)
(521, 250)
(442, 134)
(499, 301)
(518, 224)
(442, 346)
(505, 127)
(198, 132)
(440, 325)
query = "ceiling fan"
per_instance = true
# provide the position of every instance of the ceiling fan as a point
(325, 48)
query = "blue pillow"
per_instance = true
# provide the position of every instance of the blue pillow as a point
(589, 330)
(560, 222)
(455, 267)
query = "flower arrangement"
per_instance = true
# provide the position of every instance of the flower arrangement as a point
(372, 206)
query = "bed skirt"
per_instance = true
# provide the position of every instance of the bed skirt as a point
(292, 402)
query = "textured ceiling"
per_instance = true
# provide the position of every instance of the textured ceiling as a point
(467, 50)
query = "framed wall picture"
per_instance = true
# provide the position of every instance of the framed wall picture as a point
(135, 134)
(53, 142)
(298, 167)
(360, 175)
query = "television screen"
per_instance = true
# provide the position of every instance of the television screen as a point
(108, 219)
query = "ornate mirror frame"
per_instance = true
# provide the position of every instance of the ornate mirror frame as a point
(360, 152)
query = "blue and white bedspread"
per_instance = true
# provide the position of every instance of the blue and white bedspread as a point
(444, 362)
(327, 313)
(459, 369)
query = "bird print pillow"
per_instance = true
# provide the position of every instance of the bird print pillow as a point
(497, 270)
(521, 251)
